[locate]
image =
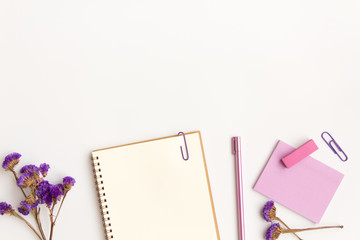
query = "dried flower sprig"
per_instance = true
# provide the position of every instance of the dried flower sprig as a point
(274, 231)
(40, 192)
(269, 214)
(7, 209)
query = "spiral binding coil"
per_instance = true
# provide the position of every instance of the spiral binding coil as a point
(102, 198)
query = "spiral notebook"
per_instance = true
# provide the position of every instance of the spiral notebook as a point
(148, 191)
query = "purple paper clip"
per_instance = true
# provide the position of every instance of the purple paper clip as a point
(340, 153)
(182, 152)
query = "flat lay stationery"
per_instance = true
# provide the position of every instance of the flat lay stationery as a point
(157, 189)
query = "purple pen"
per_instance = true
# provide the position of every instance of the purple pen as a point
(236, 150)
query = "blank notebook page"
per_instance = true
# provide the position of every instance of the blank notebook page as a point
(153, 194)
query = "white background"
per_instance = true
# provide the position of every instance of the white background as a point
(81, 75)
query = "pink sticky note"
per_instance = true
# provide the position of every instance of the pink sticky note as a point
(306, 189)
(300, 153)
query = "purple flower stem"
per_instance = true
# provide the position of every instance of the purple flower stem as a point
(16, 178)
(37, 217)
(308, 229)
(27, 223)
(52, 219)
(62, 201)
(35, 214)
(276, 218)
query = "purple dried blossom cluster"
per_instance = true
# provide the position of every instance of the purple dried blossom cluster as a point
(266, 210)
(24, 179)
(10, 158)
(31, 174)
(69, 180)
(4, 208)
(26, 207)
(36, 191)
(44, 168)
(49, 193)
(43, 192)
(30, 169)
(270, 231)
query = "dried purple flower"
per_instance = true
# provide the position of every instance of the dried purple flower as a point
(68, 182)
(24, 208)
(33, 170)
(273, 231)
(56, 191)
(11, 160)
(61, 187)
(44, 168)
(43, 193)
(267, 211)
(5, 208)
(24, 211)
(48, 193)
(25, 180)
(30, 169)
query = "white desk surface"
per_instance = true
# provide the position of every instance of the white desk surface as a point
(81, 75)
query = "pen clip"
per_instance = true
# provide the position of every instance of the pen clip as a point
(332, 145)
(235, 144)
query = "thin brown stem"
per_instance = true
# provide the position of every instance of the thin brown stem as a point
(37, 218)
(16, 179)
(27, 223)
(276, 218)
(52, 230)
(62, 201)
(52, 219)
(36, 213)
(307, 229)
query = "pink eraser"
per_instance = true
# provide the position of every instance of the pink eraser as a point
(300, 153)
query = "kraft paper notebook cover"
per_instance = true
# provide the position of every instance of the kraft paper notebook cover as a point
(306, 188)
(148, 191)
